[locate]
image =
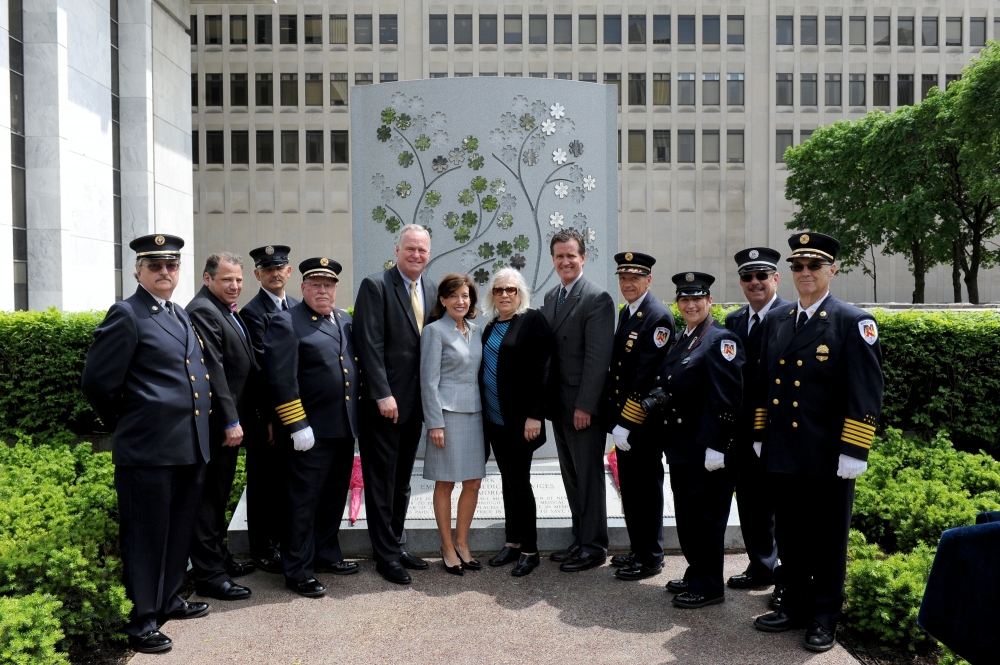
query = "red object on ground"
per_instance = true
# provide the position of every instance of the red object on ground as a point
(613, 466)
(357, 485)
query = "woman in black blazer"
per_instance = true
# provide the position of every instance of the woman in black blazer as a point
(517, 344)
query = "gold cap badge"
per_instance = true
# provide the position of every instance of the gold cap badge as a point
(804, 239)
(324, 262)
(628, 256)
(159, 240)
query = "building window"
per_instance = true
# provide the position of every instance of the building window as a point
(927, 81)
(213, 30)
(364, 79)
(238, 29)
(661, 89)
(193, 31)
(951, 78)
(507, 74)
(588, 77)
(262, 29)
(661, 29)
(637, 146)
(784, 90)
(263, 90)
(784, 30)
(290, 147)
(685, 31)
(239, 147)
(953, 31)
(637, 89)
(313, 25)
(387, 33)
(288, 29)
(685, 146)
(239, 90)
(615, 80)
(314, 147)
(562, 29)
(661, 146)
(362, 29)
(880, 31)
(904, 90)
(213, 89)
(833, 30)
(289, 90)
(977, 32)
(194, 90)
(195, 152)
(487, 28)
(560, 76)
(314, 90)
(734, 89)
(338, 28)
(438, 28)
(734, 29)
(265, 146)
(538, 29)
(833, 89)
(612, 29)
(857, 90)
(880, 90)
(710, 28)
(636, 29)
(857, 31)
(710, 146)
(339, 147)
(463, 28)
(685, 89)
(805, 135)
(808, 31)
(996, 28)
(904, 31)
(808, 91)
(710, 90)
(783, 141)
(389, 77)
(929, 31)
(512, 29)
(338, 89)
(587, 29)
(734, 146)
(215, 148)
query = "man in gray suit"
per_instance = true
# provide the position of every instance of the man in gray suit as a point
(582, 317)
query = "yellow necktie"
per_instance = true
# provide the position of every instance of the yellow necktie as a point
(418, 310)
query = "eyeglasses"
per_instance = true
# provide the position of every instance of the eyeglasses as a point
(813, 267)
(509, 290)
(155, 267)
(747, 277)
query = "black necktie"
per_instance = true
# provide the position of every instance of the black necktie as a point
(283, 305)
(754, 320)
(561, 299)
(170, 308)
(801, 321)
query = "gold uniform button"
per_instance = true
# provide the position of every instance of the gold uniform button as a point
(192, 377)
(202, 361)
(187, 362)
(775, 401)
(206, 376)
(778, 381)
(796, 384)
(209, 393)
(347, 383)
(799, 363)
(678, 420)
(619, 364)
(348, 398)
(657, 378)
(341, 357)
(196, 395)
(196, 412)
(795, 424)
(795, 404)
(209, 412)
(345, 371)
(616, 392)
(616, 378)
(781, 362)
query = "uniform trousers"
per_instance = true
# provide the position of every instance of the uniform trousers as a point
(640, 476)
(267, 495)
(388, 451)
(318, 481)
(157, 508)
(755, 500)
(513, 454)
(208, 554)
(702, 501)
(581, 462)
(813, 520)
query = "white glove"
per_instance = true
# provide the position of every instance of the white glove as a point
(757, 447)
(620, 436)
(714, 460)
(303, 440)
(850, 467)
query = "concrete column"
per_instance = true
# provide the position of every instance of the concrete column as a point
(6, 232)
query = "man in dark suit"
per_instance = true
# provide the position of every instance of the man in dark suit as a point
(819, 396)
(147, 378)
(267, 460)
(758, 271)
(645, 332)
(582, 318)
(309, 355)
(392, 308)
(213, 314)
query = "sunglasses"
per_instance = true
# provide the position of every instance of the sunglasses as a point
(155, 267)
(813, 267)
(747, 277)
(509, 290)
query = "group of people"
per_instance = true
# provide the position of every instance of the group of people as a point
(751, 406)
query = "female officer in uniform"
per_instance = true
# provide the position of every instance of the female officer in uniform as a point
(702, 380)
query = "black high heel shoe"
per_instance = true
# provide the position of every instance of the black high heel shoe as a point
(471, 564)
(452, 570)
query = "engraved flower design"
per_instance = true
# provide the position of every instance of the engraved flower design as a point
(567, 126)
(439, 120)
(579, 219)
(498, 137)
(457, 156)
(509, 153)
(426, 215)
(383, 133)
(469, 219)
(559, 156)
(576, 195)
(504, 248)
(498, 266)
(508, 121)
(470, 143)
(539, 108)
(388, 264)
(388, 115)
(476, 162)
(440, 138)
(481, 276)
(508, 202)
(419, 123)
(589, 183)
(440, 164)
(398, 100)
(530, 157)
(462, 234)
(378, 181)
(490, 203)
(561, 190)
(403, 121)
(505, 220)
(521, 242)
(591, 235)
(486, 250)
(478, 184)
(576, 173)
(451, 220)
(378, 214)
(432, 198)
(392, 224)
(557, 110)
(527, 122)
(422, 143)
(405, 159)
(466, 197)
(388, 195)
(498, 186)
(556, 219)
(403, 189)
(576, 148)
(549, 127)
(518, 261)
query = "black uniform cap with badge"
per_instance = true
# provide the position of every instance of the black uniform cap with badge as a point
(634, 263)
(270, 256)
(812, 245)
(320, 267)
(693, 283)
(756, 260)
(157, 246)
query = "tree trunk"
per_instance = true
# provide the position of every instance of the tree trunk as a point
(919, 273)
(874, 273)
(956, 271)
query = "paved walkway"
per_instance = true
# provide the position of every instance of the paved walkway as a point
(485, 617)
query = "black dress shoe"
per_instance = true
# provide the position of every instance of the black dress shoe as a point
(452, 570)
(677, 586)
(237, 568)
(188, 611)
(776, 597)
(637, 571)
(622, 560)
(582, 561)
(339, 568)
(505, 556)
(565, 555)
(525, 564)
(412, 562)
(471, 564)
(310, 588)
(775, 622)
(692, 601)
(819, 638)
(393, 571)
(749, 581)
(228, 590)
(151, 642)
(269, 564)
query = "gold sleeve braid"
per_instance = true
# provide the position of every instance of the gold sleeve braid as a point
(633, 412)
(291, 412)
(760, 418)
(858, 433)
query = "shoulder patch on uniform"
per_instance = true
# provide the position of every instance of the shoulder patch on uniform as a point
(869, 330)
(728, 348)
(660, 337)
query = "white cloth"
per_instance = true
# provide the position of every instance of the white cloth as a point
(275, 299)
(761, 314)
(303, 440)
(851, 467)
(633, 306)
(757, 447)
(812, 308)
(714, 459)
(620, 436)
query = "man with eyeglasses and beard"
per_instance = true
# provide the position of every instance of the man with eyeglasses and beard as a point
(818, 400)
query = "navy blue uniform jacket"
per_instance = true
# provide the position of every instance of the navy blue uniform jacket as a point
(256, 314)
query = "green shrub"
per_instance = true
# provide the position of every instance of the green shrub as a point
(59, 536)
(29, 631)
(239, 482)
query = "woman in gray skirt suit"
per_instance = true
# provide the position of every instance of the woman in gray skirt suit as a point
(450, 351)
